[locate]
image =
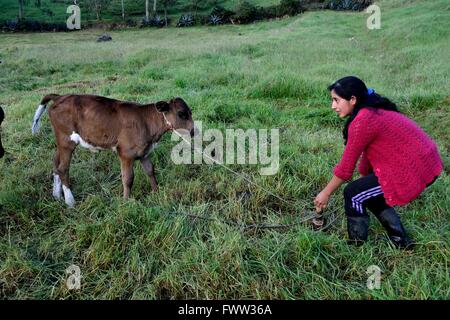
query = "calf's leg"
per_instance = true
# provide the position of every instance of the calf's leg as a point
(65, 155)
(149, 169)
(57, 186)
(126, 167)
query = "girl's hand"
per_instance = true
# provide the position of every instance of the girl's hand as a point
(322, 198)
(321, 201)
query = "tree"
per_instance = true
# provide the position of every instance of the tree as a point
(22, 3)
(166, 5)
(195, 5)
(123, 9)
(213, 3)
(154, 6)
(21, 9)
(98, 6)
(146, 10)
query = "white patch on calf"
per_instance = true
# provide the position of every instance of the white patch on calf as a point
(37, 117)
(153, 146)
(75, 137)
(68, 197)
(57, 187)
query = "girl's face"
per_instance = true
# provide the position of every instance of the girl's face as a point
(342, 107)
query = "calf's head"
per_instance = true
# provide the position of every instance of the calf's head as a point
(178, 114)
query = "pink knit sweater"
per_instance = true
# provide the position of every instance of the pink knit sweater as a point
(396, 149)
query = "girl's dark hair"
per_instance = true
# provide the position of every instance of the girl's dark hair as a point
(365, 98)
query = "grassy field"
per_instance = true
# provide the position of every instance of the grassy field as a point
(264, 75)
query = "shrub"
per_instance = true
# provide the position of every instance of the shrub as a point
(159, 21)
(146, 22)
(155, 21)
(290, 7)
(220, 15)
(355, 5)
(202, 19)
(285, 7)
(246, 13)
(215, 20)
(47, 12)
(187, 20)
(32, 26)
(131, 23)
(271, 12)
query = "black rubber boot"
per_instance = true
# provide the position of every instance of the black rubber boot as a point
(394, 227)
(358, 229)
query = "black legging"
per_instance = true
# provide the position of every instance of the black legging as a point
(364, 193)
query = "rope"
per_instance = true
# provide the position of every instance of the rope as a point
(253, 226)
(231, 170)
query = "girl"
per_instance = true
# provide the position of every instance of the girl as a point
(397, 160)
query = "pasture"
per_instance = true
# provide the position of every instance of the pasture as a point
(189, 239)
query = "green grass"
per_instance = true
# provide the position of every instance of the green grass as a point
(264, 75)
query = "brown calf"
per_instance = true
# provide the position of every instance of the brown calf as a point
(100, 123)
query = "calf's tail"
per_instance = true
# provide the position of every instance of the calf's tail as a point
(40, 110)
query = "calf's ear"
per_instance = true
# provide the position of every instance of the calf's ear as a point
(162, 106)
